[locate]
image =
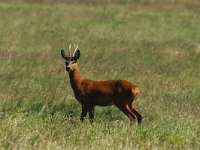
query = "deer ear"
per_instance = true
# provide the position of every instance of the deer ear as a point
(77, 54)
(63, 54)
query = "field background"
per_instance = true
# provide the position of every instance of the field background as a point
(152, 43)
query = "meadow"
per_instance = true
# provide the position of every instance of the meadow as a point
(152, 43)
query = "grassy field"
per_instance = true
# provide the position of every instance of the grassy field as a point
(152, 43)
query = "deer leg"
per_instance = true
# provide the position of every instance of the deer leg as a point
(91, 114)
(134, 110)
(125, 109)
(84, 112)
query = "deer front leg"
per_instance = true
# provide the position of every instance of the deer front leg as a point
(84, 112)
(91, 114)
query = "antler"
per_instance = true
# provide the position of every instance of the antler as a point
(75, 49)
(70, 54)
(70, 50)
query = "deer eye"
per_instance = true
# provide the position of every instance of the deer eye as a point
(73, 62)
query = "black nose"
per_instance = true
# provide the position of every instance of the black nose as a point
(67, 68)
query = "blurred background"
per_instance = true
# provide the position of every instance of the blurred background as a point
(152, 43)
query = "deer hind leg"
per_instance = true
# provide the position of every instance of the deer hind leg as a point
(134, 110)
(125, 109)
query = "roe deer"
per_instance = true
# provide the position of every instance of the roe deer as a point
(89, 93)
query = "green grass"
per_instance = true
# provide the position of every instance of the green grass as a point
(154, 44)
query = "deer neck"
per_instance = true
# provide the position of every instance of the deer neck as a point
(75, 79)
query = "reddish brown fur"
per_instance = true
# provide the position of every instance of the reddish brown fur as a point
(89, 93)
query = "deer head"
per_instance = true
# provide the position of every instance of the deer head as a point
(71, 60)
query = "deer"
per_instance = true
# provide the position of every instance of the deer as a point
(91, 93)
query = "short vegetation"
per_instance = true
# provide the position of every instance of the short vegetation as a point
(152, 43)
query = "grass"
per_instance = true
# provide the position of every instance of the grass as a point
(154, 44)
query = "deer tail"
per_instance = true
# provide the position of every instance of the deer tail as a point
(134, 92)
